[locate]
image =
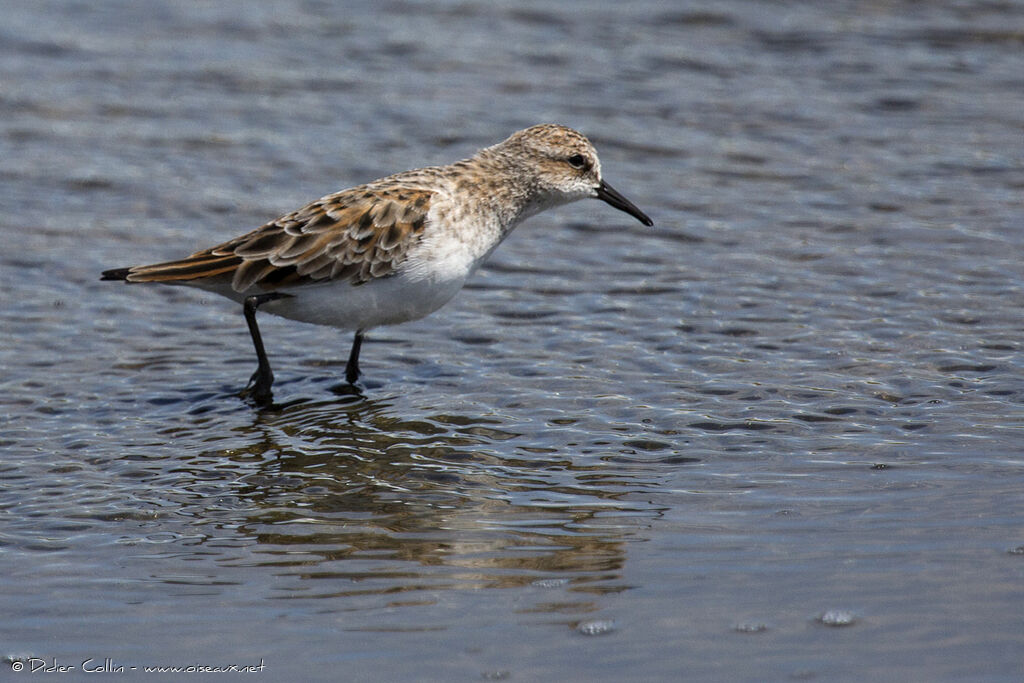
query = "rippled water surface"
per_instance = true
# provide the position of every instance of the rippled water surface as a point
(780, 435)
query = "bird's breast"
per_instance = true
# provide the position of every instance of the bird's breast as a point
(455, 243)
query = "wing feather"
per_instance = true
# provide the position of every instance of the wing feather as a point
(354, 235)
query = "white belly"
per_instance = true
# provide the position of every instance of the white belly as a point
(388, 301)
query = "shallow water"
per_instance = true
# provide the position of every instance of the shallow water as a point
(779, 435)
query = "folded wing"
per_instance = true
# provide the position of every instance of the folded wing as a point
(355, 235)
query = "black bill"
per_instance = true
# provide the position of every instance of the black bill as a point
(607, 193)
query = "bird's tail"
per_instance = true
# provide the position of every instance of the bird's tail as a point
(199, 265)
(116, 274)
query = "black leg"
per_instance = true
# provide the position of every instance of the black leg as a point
(263, 378)
(352, 368)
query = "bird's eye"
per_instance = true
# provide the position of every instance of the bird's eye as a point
(577, 161)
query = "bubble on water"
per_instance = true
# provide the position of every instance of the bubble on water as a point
(549, 583)
(837, 617)
(750, 627)
(597, 627)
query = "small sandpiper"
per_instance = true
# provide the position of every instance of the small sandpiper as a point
(393, 250)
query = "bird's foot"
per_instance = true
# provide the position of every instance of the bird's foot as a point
(258, 388)
(352, 373)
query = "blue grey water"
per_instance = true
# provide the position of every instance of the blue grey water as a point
(779, 435)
